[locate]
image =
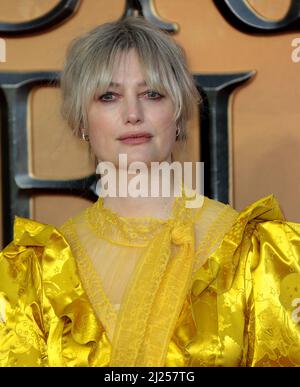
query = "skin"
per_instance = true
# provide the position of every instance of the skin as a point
(130, 105)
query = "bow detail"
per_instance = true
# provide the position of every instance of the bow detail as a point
(182, 234)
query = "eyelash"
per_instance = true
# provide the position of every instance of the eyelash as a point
(109, 93)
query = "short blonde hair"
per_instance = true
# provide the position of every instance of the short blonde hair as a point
(89, 65)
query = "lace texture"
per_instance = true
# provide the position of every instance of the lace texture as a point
(239, 309)
(146, 266)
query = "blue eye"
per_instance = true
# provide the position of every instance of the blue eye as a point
(107, 97)
(110, 96)
(153, 94)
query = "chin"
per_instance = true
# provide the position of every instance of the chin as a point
(131, 158)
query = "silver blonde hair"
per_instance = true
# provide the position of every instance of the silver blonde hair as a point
(89, 65)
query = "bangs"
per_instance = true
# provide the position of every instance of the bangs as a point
(158, 75)
(91, 59)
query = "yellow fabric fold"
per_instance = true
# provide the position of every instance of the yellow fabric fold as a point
(239, 308)
(221, 267)
(153, 302)
(40, 288)
(236, 302)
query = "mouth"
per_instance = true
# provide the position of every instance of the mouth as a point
(135, 138)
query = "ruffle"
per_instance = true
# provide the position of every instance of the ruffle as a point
(62, 310)
(219, 270)
(139, 232)
(63, 307)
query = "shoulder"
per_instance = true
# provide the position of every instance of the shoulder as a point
(30, 238)
(199, 204)
(212, 218)
(31, 234)
(253, 278)
(37, 256)
(40, 293)
(81, 214)
(216, 208)
(250, 222)
(259, 241)
(258, 231)
(244, 233)
(265, 208)
(262, 210)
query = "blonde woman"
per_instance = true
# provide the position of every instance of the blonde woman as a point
(147, 281)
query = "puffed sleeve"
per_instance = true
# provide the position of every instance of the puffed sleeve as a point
(246, 297)
(22, 331)
(273, 290)
(45, 316)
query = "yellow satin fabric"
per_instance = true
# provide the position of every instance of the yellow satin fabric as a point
(238, 309)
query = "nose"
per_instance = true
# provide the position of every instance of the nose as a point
(133, 111)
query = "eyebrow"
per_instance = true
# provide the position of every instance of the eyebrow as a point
(116, 84)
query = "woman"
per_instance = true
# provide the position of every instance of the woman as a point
(147, 281)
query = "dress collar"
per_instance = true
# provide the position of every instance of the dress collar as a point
(109, 225)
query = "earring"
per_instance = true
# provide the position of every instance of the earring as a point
(177, 132)
(84, 136)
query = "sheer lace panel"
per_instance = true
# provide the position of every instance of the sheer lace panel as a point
(108, 247)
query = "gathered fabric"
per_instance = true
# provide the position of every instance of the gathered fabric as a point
(207, 286)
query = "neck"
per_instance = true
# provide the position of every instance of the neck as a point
(156, 201)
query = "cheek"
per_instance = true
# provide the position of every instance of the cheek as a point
(100, 126)
(97, 135)
(167, 126)
(96, 121)
(163, 118)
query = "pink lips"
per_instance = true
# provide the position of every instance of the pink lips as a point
(135, 138)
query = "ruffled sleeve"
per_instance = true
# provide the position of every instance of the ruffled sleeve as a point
(273, 275)
(246, 298)
(45, 316)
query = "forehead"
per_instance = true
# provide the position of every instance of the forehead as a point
(128, 68)
(127, 64)
(117, 85)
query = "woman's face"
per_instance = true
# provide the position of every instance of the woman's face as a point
(129, 105)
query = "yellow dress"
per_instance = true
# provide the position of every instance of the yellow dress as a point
(206, 287)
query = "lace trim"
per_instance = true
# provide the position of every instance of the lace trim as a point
(153, 300)
(135, 232)
(153, 283)
(222, 223)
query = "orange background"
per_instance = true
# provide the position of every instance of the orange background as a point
(264, 113)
